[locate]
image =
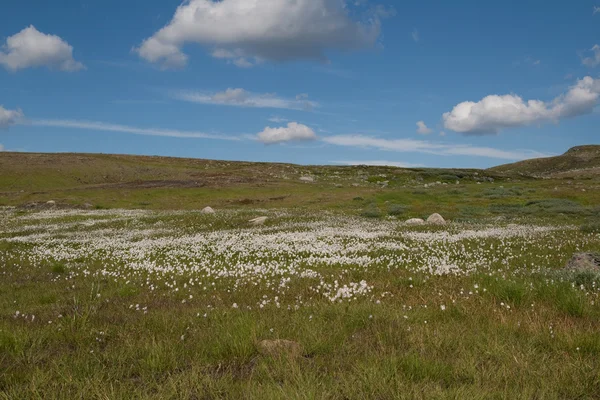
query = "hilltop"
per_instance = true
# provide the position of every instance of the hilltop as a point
(580, 161)
(72, 180)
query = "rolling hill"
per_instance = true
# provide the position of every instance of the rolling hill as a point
(577, 162)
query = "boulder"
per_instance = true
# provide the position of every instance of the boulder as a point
(207, 210)
(51, 203)
(436, 219)
(584, 262)
(415, 221)
(279, 347)
(307, 179)
(258, 221)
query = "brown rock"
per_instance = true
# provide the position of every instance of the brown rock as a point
(584, 262)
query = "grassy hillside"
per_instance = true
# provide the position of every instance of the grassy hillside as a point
(581, 161)
(100, 181)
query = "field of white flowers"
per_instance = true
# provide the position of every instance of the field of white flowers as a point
(417, 283)
(324, 252)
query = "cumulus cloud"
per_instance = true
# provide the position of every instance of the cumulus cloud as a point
(293, 132)
(242, 98)
(108, 127)
(594, 59)
(32, 48)
(247, 32)
(9, 117)
(428, 147)
(422, 129)
(495, 113)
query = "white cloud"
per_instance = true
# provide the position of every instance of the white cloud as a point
(250, 31)
(415, 35)
(527, 61)
(1, 147)
(32, 48)
(442, 133)
(379, 163)
(293, 132)
(278, 120)
(596, 10)
(422, 129)
(427, 147)
(242, 98)
(9, 117)
(494, 113)
(107, 127)
(594, 60)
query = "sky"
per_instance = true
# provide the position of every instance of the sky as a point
(413, 83)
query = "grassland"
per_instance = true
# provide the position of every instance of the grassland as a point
(122, 289)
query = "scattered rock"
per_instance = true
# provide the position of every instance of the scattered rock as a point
(436, 219)
(87, 206)
(207, 210)
(279, 347)
(415, 221)
(307, 179)
(584, 262)
(51, 203)
(355, 184)
(258, 221)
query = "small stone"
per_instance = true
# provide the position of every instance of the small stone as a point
(51, 203)
(307, 179)
(584, 262)
(436, 219)
(207, 210)
(279, 347)
(415, 221)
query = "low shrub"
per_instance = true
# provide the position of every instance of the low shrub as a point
(397, 209)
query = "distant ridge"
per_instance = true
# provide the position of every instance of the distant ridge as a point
(579, 161)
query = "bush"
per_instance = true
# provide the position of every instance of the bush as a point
(371, 211)
(448, 178)
(555, 206)
(397, 209)
(376, 179)
(591, 227)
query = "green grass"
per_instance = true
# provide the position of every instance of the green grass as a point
(517, 326)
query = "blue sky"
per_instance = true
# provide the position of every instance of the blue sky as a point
(427, 83)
